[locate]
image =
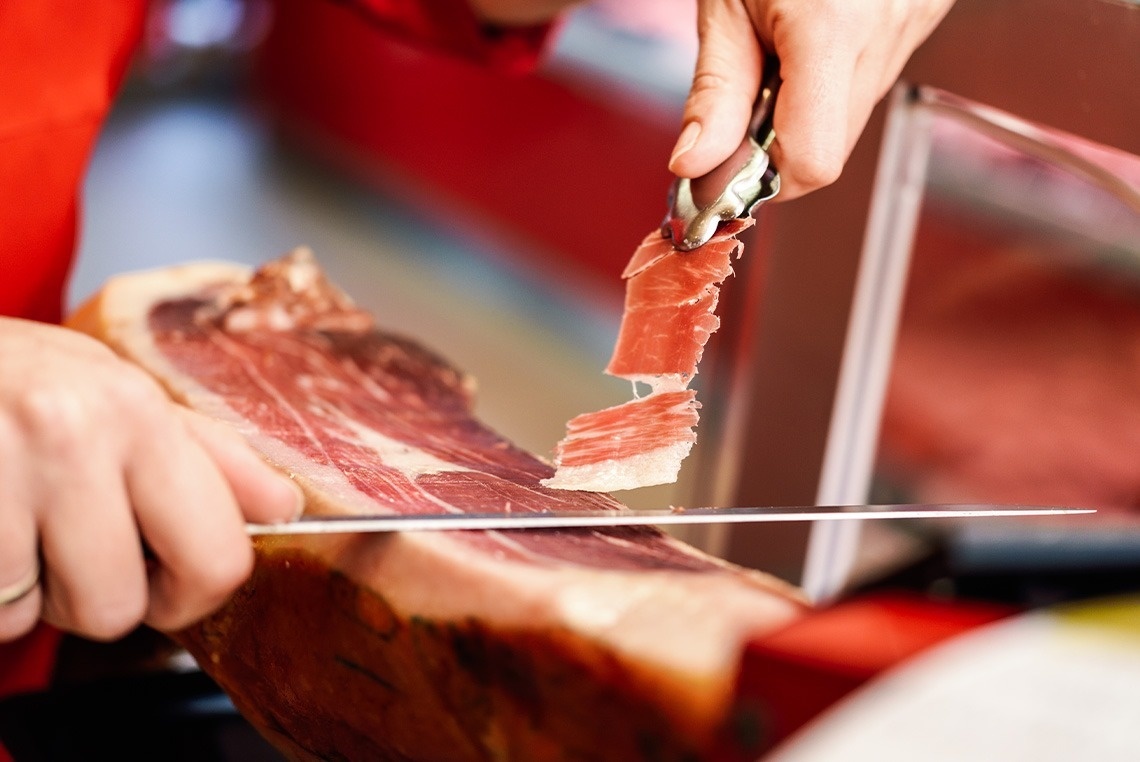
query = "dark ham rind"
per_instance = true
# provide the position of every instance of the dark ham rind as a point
(670, 304)
(622, 644)
(491, 693)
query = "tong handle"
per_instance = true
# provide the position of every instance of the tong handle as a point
(738, 185)
(760, 126)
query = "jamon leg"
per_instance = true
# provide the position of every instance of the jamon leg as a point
(619, 644)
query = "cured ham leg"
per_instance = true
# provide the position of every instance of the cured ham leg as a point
(670, 312)
(618, 644)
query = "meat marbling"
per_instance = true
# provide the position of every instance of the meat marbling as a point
(617, 644)
(670, 313)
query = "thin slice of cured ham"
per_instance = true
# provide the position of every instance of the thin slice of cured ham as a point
(618, 644)
(670, 313)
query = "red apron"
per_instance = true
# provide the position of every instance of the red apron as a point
(61, 64)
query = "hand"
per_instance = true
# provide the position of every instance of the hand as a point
(838, 58)
(95, 461)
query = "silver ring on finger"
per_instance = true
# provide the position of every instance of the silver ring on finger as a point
(22, 588)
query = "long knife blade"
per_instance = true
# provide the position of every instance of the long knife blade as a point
(629, 517)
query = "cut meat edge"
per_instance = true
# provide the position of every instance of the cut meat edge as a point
(660, 342)
(634, 444)
(673, 624)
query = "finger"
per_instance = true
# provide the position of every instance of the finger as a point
(95, 581)
(725, 85)
(811, 120)
(20, 596)
(189, 517)
(26, 586)
(263, 494)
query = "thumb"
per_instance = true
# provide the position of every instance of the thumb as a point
(725, 84)
(264, 494)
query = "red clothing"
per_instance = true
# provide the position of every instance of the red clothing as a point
(61, 63)
(450, 26)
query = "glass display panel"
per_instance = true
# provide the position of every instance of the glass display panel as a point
(1016, 371)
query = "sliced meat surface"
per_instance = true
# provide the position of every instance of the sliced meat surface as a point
(670, 313)
(622, 644)
(658, 427)
(389, 421)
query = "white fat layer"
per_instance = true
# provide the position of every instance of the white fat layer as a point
(657, 466)
(600, 608)
(411, 461)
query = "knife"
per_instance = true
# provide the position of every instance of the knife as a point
(426, 522)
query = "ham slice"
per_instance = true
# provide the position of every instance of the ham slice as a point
(670, 313)
(618, 644)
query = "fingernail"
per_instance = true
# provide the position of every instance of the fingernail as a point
(685, 141)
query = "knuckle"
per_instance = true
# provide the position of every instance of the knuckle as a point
(816, 169)
(111, 618)
(189, 599)
(56, 415)
(217, 577)
(48, 404)
(61, 412)
(840, 14)
(18, 619)
(11, 436)
(897, 14)
(820, 23)
(132, 389)
(707, 84)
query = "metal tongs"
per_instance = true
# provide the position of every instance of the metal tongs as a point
(737, 186)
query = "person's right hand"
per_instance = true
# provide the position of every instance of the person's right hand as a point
(837, 60)
(98, 469)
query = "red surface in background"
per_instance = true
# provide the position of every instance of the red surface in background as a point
(1015, 378)
(571, 170)
(796, 673)
(26, 665)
